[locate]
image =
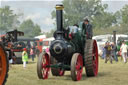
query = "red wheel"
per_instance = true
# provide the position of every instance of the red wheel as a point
(56, 71)
(95, 58)
(91, 58)
(61, 72)
(76, 67)
(3, 66)
(43, 66)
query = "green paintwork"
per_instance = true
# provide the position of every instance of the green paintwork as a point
(60, 66)
(79, 39)
(78, 44)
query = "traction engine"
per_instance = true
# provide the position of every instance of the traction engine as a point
(6, 44)
(68, 54)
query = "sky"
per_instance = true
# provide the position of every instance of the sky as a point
(40, 10)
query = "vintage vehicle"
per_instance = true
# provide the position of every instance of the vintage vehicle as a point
(3, 65)
(28, 43)
(12, 45)
(39, 44)
(6, 45)
(47, 43)
(69, 53)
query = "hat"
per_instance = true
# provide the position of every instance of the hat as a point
(25, 49)
(86, 19)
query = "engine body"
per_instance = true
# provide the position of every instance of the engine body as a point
(63, 47)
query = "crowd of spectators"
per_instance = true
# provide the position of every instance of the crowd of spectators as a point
(109, 52)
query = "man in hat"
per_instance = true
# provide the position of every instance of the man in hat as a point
(88, 28)
(108, 48)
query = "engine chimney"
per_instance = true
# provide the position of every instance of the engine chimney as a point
(59, 21)
(114, 37)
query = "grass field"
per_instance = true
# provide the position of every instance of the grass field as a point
(109, 74)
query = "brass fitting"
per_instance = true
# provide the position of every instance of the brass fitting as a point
(59, 7)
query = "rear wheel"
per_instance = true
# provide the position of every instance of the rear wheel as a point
(43, 66)
(56, 71)
(91, 58)
(3, 66)
(76, 67)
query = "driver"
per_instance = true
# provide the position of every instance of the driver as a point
(73, 30)
(88, 28)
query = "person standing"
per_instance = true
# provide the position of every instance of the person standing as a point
(47, 50)
(28, 46)
(108, 53)
(103, 51)
(24, 57)
(32, 54)
(124, 49)
(114, 50)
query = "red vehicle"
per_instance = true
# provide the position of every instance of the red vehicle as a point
(6, 44)
(39, 44)
(3, 65)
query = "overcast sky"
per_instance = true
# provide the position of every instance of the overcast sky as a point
(40, 10)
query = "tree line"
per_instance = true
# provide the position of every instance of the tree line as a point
(10, 21)
(103, 22)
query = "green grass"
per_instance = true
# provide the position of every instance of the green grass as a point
(109, 74)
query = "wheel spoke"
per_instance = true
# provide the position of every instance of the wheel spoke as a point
(44, 63)
(45, 72)
(61, 72)
(77, 67)
(78, 75)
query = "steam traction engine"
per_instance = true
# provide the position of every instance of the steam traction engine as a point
(3, 65)
(68, 54)
(6, 44)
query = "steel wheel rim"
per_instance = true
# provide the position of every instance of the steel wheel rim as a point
(95, 58)
(3, 65)
(79, 67)
(45, 64)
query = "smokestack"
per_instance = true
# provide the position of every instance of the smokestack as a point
(114, 37)
(59, 17)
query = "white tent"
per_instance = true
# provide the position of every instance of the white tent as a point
(41, 36)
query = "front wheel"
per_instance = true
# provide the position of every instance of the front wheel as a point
(43, 66)
(3, 66)
(76, 67)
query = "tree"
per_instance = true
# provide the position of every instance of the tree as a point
(104, 20)
(76, 10)
(8, 20)
(122, 18)
(124, 14)
(29, 28)
(49, 34)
